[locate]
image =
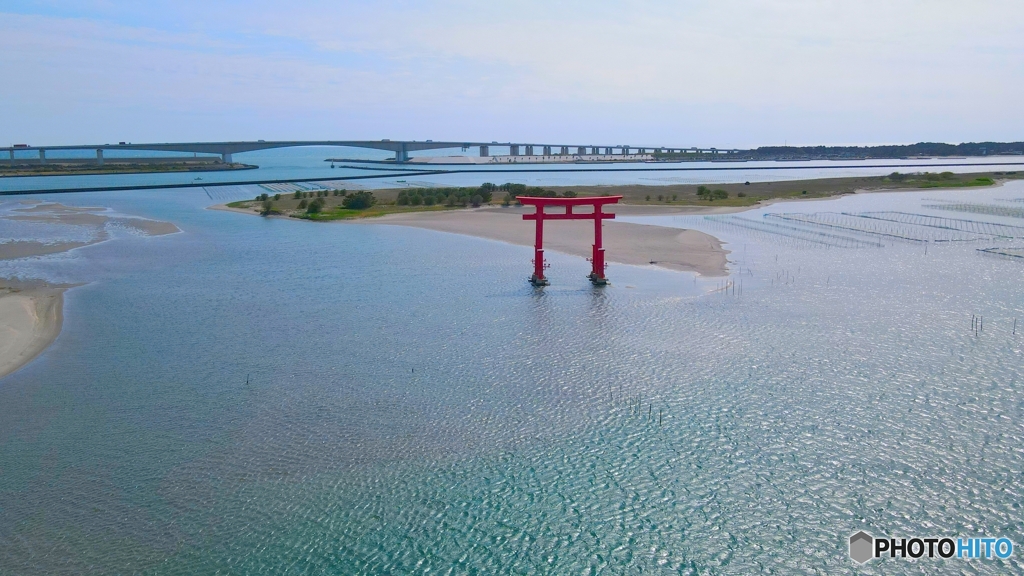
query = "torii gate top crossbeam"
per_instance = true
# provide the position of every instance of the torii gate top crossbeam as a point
(584, 201)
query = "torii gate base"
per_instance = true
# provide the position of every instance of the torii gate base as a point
(596, 276)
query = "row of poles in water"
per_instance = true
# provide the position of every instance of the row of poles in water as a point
(978, 325)
(635, 403)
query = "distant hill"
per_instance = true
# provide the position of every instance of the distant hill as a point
(919, 149)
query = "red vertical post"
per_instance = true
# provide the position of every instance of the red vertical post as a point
(538, 251)
(597, 274)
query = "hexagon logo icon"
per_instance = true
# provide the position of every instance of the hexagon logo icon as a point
(861, 545)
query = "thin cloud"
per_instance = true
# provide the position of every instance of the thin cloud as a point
(697, 72)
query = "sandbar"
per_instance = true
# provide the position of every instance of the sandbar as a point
(31, 315)
(31, 311)
(625, 243)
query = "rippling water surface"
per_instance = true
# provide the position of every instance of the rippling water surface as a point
(276, 397)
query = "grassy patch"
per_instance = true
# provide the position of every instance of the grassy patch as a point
(937, 180)
(371, 212)
(730, 201)
(958, 183)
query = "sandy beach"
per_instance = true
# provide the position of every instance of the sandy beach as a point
(625, 243)
(31, 311)
(31, 315)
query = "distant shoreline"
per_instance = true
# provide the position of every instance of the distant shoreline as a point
(399, 172)
(118, 166)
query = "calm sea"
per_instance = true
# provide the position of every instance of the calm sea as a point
(260, 396)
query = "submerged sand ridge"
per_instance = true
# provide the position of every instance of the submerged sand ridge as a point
(94, 220)
(625, 243)
(31, 311)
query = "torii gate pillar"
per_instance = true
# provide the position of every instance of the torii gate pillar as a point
(596, 276)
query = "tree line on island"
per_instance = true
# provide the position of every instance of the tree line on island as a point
(465, 197)
(888, 151)
(918, 150)
(313, 204)
(450, 197)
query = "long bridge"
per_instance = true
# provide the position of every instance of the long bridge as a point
(401, 148)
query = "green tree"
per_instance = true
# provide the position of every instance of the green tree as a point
(359, 200)
(515, 189)
(277, 196)
(316, 206)
(477, 200)
(267, 208)
(303, 203)
(298, 195)
(569, 194)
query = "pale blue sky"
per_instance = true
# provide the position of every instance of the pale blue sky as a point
(710, 73)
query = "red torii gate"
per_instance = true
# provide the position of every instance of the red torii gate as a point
(598, 202)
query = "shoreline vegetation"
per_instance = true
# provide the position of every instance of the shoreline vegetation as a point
(31, 310)
(325, 205)
(84, 167)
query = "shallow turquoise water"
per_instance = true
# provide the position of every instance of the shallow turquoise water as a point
(413, 405)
